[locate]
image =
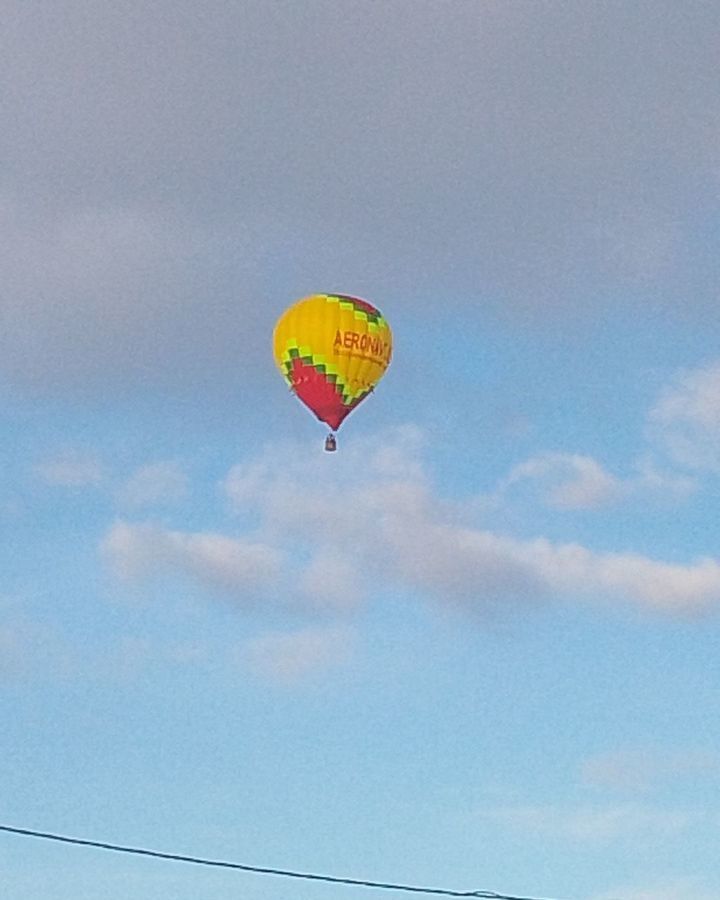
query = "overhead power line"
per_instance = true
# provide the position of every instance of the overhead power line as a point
(258, 870)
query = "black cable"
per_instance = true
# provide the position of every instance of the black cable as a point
(260, 870)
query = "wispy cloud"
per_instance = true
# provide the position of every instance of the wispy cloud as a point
(594, 824)
(360, 514)
(572, 481)
(232, 565)
(410, 534)
(640, 770)
(289, 657)
(71, 468)
(30, 647)
(130, 656)
(159, 483)
(332, 581)
(685, 419)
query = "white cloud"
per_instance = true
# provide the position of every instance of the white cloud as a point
(650, 479)
(130, 656)
(287, 657)
(686, 418)
(331, 581)
(29, 647)
(348, 526)
(591, 824)
(232, 565)
(72, 468)
(571, 568)
(159, 483)
(394, 525)
(642, 770)
(570, 481)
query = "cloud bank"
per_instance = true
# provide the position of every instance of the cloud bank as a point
(370, 521)
(158, 164)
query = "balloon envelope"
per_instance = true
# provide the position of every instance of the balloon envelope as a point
(332, 350)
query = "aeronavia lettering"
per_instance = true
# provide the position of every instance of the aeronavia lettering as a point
(361, 345)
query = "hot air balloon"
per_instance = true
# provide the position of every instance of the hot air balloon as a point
(332, 350)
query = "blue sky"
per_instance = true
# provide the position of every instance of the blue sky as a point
(477, 647)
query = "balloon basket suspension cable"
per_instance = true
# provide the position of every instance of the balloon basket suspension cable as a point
(330, 443)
